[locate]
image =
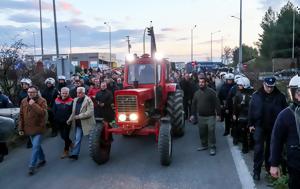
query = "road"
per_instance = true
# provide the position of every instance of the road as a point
(134, 164)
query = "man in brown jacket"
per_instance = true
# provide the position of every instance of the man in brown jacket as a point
(33, 115)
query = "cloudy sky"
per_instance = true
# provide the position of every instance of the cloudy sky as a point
(172, 21)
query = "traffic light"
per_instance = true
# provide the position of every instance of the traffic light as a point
(150, 31)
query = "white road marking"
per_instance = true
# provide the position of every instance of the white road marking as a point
(241, 167)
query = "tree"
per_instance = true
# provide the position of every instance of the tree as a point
(249, 53)
(10, 61)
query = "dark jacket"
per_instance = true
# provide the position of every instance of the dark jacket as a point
(50, 94)
(33, 117)
(224, 92)
(264, 108)
(23, 94)
(205, 103)
(241, 101)
(188, 89)
(285, 132)
(62, 109)
(106, 112)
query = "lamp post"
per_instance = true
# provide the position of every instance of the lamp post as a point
(211, 34)
(240, 40)
(70, 40)
(294, 23)
(41, 29)
(192, 43)
(109, 28)
(34, 51)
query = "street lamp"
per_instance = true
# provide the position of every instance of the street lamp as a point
(70, 40)
(109, 28)
(41, 29)
(34, 51)
(293, 48)
(192, 43)
(240, 41)
(211, 34)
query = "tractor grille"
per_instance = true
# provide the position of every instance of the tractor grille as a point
(127, 103)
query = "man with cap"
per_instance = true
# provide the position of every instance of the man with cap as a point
(265, 105)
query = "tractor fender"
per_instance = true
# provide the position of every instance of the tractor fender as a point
(171, 87)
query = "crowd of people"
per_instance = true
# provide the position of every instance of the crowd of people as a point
(256, 119)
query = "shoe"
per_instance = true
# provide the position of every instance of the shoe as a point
(53, 134)
(202, 148)
(41, 164)
(225, 134)
(31, 171)
(212, 151)
(65, 154)
(245, 151)
(29, 145)
(74, 157)
(256, 177)
(1, 157)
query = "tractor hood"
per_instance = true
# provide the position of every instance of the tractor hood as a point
(141, 93)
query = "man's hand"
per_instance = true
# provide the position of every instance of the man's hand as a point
(275, 172)
(21, 133)
(218, 118)
(227, 111)
(76, 117)
(192, 118)
(101, 104)
(31, 101)
(251, 129)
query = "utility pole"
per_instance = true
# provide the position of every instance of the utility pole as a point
(241, 47)
(192, 43)
(41, 28)
(128, 43)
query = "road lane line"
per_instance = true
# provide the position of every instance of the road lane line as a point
(241, 167)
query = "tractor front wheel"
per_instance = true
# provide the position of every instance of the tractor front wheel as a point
(165, 143)
(98, 146)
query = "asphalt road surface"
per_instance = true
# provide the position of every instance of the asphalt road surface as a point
(134, 163)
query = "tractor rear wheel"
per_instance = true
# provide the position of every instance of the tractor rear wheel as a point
(165, 143)
(99, 148)
(176, 113)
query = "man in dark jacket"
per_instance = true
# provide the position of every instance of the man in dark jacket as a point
(104, 99)
(4, 103)
(265, 105)
(205, 105)
(62, 110)
(50, 94)
(187, 86)
(286, 132)
(223, 94)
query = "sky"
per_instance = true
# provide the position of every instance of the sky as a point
(172, 20)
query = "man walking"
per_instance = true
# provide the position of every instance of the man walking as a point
(265, 105)
(32, 122)
(205, 106)
(82, 118)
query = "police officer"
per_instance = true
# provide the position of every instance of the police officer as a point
(241, 100)
(61, 82)
(287, 131)
(223, 94)
(50, 94)
(265, 105)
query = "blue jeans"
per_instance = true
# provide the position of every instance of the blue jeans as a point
(37, 151)
(78, 138)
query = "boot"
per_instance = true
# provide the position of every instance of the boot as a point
(65, 154)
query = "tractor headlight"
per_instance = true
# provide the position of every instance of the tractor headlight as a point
(122, 117)
(133, 117)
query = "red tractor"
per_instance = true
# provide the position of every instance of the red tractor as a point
(149, 104)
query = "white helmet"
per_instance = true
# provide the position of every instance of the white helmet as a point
(61, 77)
(244, 81)
(50, 80)
(294, 85)
(229, 76)
(26, 80)
(236, 77)
(222, 74)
